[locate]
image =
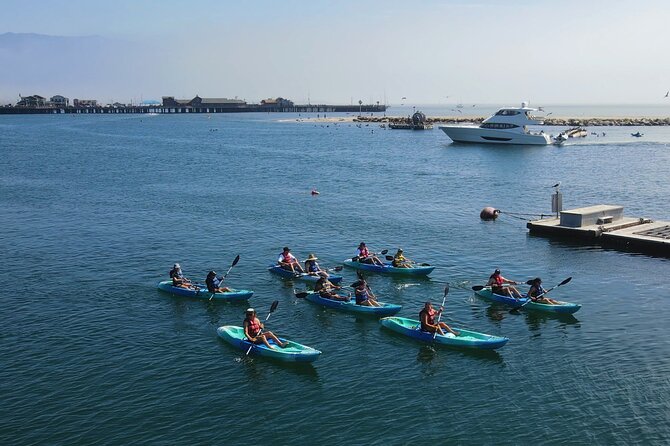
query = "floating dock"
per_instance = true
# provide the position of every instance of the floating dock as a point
(607, 225)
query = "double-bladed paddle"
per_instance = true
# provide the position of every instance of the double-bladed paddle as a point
(390, 259)
(273, 307)
(439, 316)
(237, 259)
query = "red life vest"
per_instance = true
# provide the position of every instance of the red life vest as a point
(363, 252)
(254, 326)
(498, 279)
(288, 258)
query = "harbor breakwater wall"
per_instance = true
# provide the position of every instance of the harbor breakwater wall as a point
(571, 122)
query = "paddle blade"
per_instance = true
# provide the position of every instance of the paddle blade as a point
(301, 294)
(389, 258)
(337, 268)
(565, 281)
(529, 282)
(273, 307)
(446, 289)
(355, 284)
(384, 252)
(478, 288)
(237, 259)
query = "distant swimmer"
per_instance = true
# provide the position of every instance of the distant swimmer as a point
(314, 191)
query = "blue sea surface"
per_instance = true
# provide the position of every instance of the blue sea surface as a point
(94, 211)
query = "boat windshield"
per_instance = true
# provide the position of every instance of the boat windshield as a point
(505, 112)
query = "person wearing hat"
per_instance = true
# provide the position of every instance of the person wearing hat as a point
(363, 255)
(288, 261)
(214, 283)
(253, 330)
(400, 261)
(312, 267)
(364, 295)
(327, 289)
(178, 279)
(538, 294)
(497, 283)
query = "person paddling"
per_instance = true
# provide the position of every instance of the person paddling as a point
(288, 261)
(364, 295)
(178, 279)
(214, 283)
(327, 290)
(538, 294)
(312, 267)
(253, 330)
(428, 323)
(364, 256)
(497, 282)
(400, 261)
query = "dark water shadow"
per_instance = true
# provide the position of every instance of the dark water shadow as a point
(536, 319)
(256, 366)
(428, 353)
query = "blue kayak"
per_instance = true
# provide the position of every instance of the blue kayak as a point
(389, 269)
(293, 352)
(278, 270)
(465, 338)
(562, 307)
(201, 292)
(351, 307)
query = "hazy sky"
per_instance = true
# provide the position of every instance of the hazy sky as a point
(482, 51)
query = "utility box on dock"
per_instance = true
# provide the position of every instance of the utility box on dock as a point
(591, 215)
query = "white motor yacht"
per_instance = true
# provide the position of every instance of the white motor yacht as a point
(508, 126)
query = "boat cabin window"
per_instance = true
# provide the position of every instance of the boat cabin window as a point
(498, 125)
(507, 112)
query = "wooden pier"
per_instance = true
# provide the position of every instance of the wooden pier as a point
(606, 224)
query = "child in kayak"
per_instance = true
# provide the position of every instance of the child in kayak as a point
(253, 330)
(364, 295)
(326, 289)
(400, 261)
(288, 261)
(214, 284)
(364, 256)
(428, 323)
(311, 267)
(496, 282)
(537, 290)
(178, 279)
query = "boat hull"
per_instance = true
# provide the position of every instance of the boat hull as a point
(279, 271)
(390, 270)
(294, 352)
(562, 308)
(474, 134)
(351, 307)
(465, 339)
(202, 293)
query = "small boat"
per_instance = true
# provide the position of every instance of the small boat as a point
(201, 292)
(351, 307)
(303, 277)
(293, 352)
(561, 138)
(465, 338)
(563, 307)
(389, 269)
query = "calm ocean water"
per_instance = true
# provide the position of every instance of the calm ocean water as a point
(95, 209)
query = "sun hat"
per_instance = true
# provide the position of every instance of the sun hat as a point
(250, 310)
(286, 248)
(177, 266)
(312, 257)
